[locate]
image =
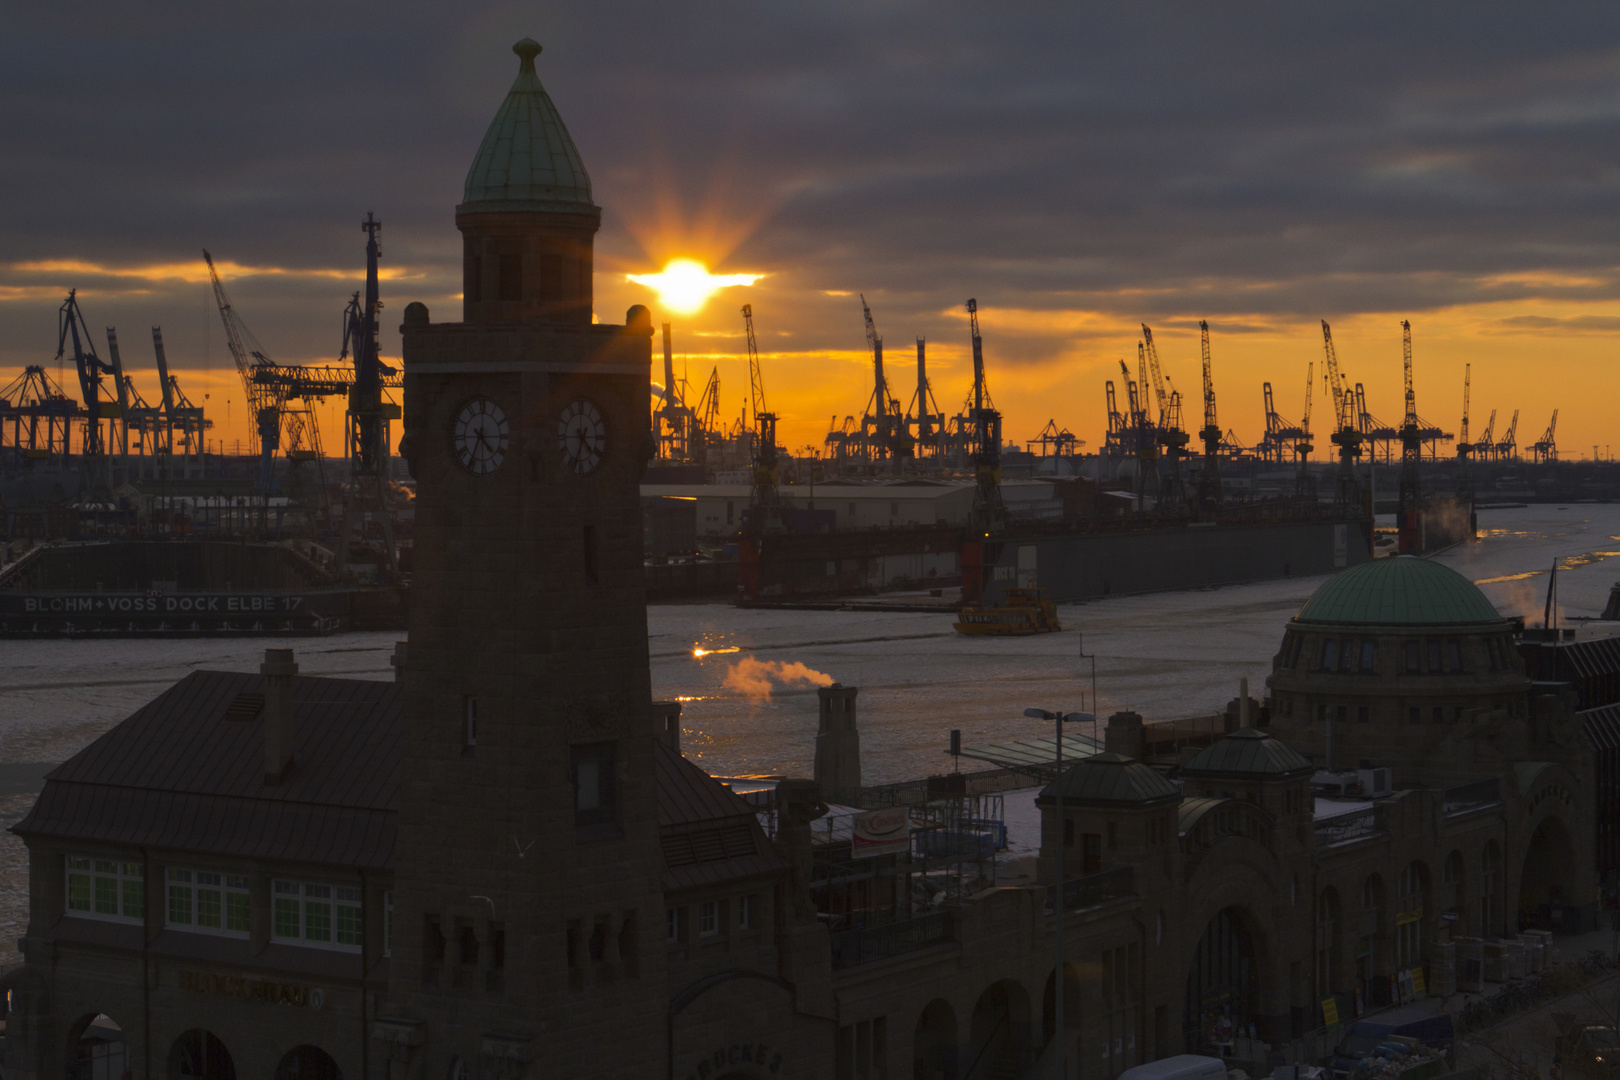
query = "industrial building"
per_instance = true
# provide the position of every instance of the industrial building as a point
(501, 866)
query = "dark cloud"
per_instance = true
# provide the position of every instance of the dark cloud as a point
(1250, 161)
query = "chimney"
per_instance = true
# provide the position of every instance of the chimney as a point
(398, 660)
(667, 715)
(1125, 735)
(280, 725)
(838, 743)
(1244, 719)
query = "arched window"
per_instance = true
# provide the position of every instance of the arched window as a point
(1411, 903)
(308, 1063)
(1327, 942)
(1372, 904)
(1490, 875)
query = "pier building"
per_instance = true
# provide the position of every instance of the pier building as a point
(500, 866)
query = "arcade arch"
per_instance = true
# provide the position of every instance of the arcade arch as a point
(1547, 881)
(933, 1045)
(96, 1049)
(1223, 980)
(999, 1026)
(200, 1055)
(1071, 1001)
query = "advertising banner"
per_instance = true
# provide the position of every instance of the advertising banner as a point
(881, 832)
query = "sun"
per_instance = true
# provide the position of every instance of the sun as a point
(685, 285)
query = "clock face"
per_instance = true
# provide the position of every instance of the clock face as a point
(582, 436)
(480, 436)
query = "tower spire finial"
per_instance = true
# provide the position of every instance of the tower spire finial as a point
(528, 49)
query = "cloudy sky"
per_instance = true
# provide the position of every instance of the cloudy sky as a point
(1079, 168)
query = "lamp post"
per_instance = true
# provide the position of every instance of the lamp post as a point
(1058, 720)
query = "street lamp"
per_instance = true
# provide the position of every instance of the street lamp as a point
(1058, 720)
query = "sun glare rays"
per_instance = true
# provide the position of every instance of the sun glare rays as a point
(685, 285)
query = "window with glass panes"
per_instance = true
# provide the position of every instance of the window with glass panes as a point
(208, 900)
(326, 916)
(106, 889)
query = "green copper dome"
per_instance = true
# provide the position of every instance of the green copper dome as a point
(527, 160)
(1399, 591)
(1247, 752)
(1110, 780)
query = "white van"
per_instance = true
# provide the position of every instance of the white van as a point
(1180, 1067)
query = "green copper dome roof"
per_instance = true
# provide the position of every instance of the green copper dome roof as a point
(1398, 591)
(1112, 779)
(1247, 752)
(527, 160)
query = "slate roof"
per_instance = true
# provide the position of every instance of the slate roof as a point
(527, 160)
(186, 772)
(1398, 591)
(1109, 779)
(708, 834)
(1248, 752)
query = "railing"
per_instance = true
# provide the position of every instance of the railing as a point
(1093, 889)
(1468, 797)
(863, 945)
(1345, 828)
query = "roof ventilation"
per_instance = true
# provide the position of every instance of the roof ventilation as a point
(244, 707)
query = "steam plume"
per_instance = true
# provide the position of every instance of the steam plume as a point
(756, 678)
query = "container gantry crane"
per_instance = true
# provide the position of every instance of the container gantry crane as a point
(39, 417)
(1487, 442)
(1209, 480)
(925, 414)
(1304, 479)
(1507, 448)
(92, 369)
(1546, 448)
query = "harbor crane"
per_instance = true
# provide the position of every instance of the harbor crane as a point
(265, 434)
(1271, 442)
(1407, 529)
(1507, 449)
(1304, 479)
(925, 414)
(989, 512)
(1487, 443)
(92, 369)
(1209, 480)
(707, 413)
(1143, 439)
(1545, 448)
(676, 422)
(765, 509)
(883, 426)
(1346, 434)
(1169, 432)
(36, 418)
(1464, 447)
(1114, 440)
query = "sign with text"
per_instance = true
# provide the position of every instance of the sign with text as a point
(154, 604)
(881, 832)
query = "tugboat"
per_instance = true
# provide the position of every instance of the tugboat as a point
(1024, 611)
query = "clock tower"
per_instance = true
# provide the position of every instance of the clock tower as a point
(528, 919)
